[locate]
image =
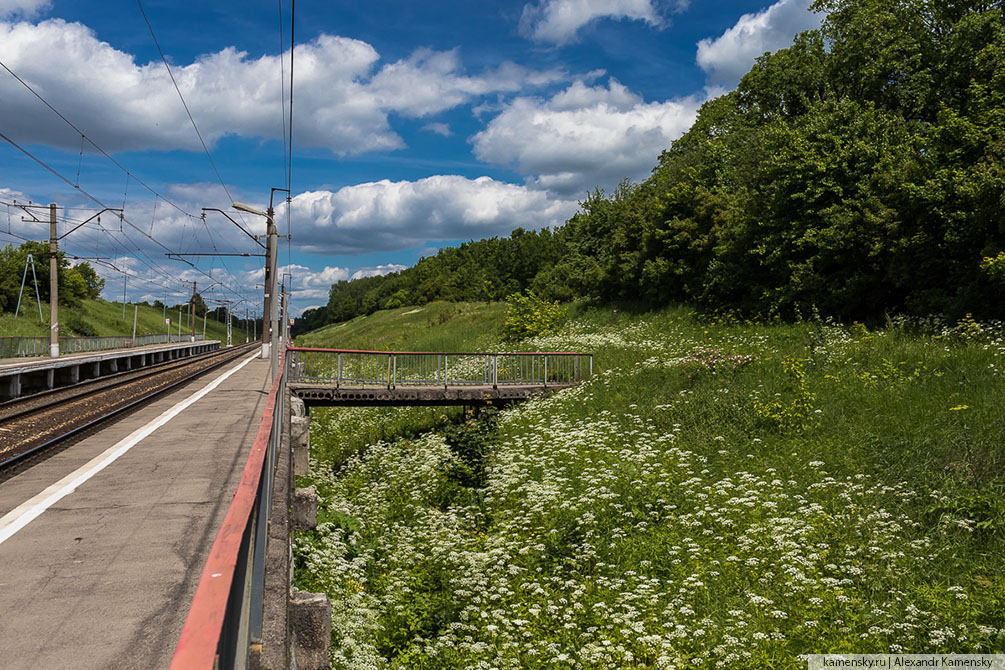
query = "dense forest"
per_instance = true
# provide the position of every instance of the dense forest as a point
(859, 171)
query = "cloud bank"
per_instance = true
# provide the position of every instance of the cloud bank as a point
(394, 215)
(584, 136)
(22, 8)
(725, 59)
(344, 94)
(559, 21)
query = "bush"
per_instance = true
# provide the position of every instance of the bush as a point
(530, 315)
(74, 325)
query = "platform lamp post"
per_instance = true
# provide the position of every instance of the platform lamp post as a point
(270, 350)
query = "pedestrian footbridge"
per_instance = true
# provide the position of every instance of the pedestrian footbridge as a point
(344, 377)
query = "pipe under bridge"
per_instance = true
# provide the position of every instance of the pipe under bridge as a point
(345, 377)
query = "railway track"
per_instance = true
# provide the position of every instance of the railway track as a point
(32, 425)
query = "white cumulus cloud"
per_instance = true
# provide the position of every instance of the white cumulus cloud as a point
(558, 21)
(725, 59)
(309, 285)
(344, 93)
(438, 128)
(392, 215)
(152, 276)
(378, 271)
(584, 136)
(22, 8)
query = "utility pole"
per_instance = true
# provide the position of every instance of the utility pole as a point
(281, 314)
(124, 278)
(273, 244)
(269, 347)
(179, 323)
(136, 309)
(270, 255)
(284, 327)
(246, 319)
(229, 326)
(54, 267)
(191, 313)
(53, 284)
(204, 315)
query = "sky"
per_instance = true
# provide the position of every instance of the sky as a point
(415, 125)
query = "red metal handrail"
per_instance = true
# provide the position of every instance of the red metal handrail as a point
(200, 637)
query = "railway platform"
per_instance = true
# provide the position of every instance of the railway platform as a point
(102, 544)
(22, 376)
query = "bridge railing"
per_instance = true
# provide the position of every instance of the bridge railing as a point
(390, 369)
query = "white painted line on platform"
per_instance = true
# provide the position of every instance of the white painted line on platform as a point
(30, 510)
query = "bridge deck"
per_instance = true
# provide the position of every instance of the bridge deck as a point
(317, 395)
(104, 577)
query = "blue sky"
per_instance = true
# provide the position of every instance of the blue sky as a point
(416, 125)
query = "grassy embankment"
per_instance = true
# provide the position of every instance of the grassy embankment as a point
(719, 494)
(99, 317)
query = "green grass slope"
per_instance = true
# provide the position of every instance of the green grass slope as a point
(105, 318)
(437, 326)
(719, 494)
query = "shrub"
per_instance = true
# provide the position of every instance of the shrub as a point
(74, 324)
(790, 416)
(530, 315)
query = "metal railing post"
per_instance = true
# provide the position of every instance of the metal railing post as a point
(380, 368)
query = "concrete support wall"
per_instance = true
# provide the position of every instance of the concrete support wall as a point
(13, 387)
(300, 440)
(296, 632)
(305, 509)
(311, 621)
